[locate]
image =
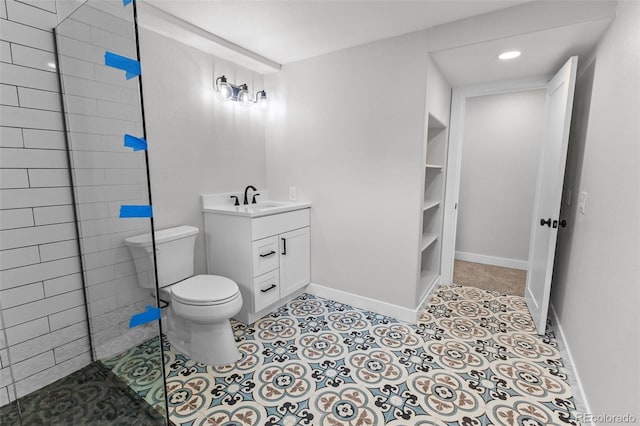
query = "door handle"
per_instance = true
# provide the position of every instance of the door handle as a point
(284, 246)
(554, 224)
(268, 254)
(545, 222)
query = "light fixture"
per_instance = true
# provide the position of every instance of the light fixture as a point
(52, 65)
(261, 98)
(239, 93)
(223, 89)
(511, 54)
(243, 96)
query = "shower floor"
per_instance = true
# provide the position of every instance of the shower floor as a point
(90, 396)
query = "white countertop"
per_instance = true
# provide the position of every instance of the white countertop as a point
(222, 204)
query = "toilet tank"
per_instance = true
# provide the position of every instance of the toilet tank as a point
(175, 249)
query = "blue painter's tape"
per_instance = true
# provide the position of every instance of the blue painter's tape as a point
(126, 2)
(131, 66)
(138, 144)
(151, 314)
(135, 211)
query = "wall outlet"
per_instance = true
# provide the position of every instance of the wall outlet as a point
(582, 202)
(293, 193)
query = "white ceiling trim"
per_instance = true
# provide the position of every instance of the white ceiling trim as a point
(161, 22)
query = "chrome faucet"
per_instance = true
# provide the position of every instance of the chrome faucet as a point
(246, 200)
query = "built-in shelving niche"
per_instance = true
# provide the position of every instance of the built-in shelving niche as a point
(432, 207)
(429, 266)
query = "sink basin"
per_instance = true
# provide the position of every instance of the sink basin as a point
(267, 205)
(220, 204)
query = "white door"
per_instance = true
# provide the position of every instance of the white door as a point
(544, 230)
(295, 264)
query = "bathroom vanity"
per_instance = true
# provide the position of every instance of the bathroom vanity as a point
(263, 247)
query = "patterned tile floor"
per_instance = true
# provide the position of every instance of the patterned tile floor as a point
(472, 359)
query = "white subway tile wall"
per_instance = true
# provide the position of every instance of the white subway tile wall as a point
(41, 293)
(39, 263)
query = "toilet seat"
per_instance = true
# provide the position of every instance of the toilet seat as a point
(205, 290)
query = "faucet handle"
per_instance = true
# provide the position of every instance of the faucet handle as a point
(253, 201)
(237, 203)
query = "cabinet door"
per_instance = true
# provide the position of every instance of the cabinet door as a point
(295, 264)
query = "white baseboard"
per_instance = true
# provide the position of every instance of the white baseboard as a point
(398, 312)
(505, 262)
(580, 398)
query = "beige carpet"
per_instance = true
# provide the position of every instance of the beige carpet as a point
(489, 277)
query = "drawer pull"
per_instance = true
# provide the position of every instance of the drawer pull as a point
(269, 289)
(268, 254)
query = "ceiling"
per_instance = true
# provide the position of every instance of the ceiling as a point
(288, 31)
(543, 53)
(262, 35)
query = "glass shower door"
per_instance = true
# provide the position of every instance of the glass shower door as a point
(99, 74)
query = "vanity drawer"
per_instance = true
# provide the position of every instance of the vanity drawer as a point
(266, 226)
(264, 253)
(266, 290)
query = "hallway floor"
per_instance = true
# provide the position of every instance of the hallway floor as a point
(472, 359)
(490, 277)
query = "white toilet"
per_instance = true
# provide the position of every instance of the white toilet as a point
(200, 306)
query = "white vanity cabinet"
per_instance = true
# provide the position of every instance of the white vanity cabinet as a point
(268, 256)
(294, 260)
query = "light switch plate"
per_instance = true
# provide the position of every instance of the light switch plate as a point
(582, 202)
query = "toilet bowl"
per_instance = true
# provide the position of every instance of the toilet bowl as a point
(207, 302)
(200, 306)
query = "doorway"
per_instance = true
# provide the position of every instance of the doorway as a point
(502, 131)
(549, 179)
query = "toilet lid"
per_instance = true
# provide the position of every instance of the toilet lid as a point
(205, 290)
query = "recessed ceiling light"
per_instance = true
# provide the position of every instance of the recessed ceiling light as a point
(52, 65)
(511, 54)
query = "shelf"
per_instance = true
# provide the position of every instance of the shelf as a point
(433, 166)
(427, 240)
(429, 204)
(434, 124)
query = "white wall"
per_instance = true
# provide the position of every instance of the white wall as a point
(502, 138)
(197, 143)
(595, 286)
(438, 96)
(347, 130)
